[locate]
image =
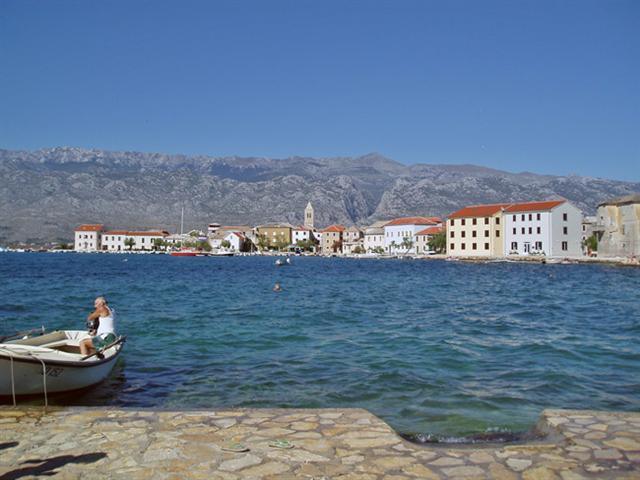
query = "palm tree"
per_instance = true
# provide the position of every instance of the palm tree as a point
(438, 242)
(407, 244)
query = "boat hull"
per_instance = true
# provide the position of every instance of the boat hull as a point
(60, 377)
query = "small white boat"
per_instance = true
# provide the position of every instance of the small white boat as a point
(23, 362)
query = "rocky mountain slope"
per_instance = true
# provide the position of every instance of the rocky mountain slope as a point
(44, 194)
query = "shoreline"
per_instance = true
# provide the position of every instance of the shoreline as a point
(615, 261)
(84, 442)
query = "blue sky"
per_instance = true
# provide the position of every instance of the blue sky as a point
(550, 87)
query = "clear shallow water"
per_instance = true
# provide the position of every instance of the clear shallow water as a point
(432, 347)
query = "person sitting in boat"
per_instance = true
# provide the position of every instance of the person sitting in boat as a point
(104, 333)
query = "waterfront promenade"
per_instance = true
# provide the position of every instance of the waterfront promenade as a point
(346, 444)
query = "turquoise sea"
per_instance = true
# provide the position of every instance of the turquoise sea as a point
(436, 348)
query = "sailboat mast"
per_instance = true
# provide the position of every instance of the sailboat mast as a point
(182, 221)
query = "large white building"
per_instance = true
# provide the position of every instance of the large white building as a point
(116, 240)
(399, 231)
(551, 228)
(618, 227)
(301, 233)
(87, 238)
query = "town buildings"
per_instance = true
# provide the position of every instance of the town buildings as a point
(618, 227)
(308, 216)
(352, 240)
(400, 233)
(374, 237)
(302, 233)
(552, 228)
(120, 240)
(332, 238)
(87, 237)
(275, 234)
(476, 231)
(423, 237)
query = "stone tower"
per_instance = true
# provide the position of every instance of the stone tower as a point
(308, 216)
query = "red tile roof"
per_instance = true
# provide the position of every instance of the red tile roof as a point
(302, 227)
(414, 221)
(334, 228)
(150, 233)
(479, 210)
(90, 228)
(430, 231)
(534, 206)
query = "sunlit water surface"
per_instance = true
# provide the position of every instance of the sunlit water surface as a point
(432, 347)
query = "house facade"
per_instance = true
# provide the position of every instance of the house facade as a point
(332, 238)
(476, 231)
(374, 237)
(115, 240)
(400, 233)
(423, 237)
(352, 240)
(87, 238)
(618, 227)
(302, 233)
(275, 234)
(551, 228)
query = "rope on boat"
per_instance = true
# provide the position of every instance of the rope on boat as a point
(44, 378)
(13, 382)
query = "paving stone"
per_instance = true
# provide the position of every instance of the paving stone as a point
(239, 463)
(446, 462)
(570, 475)
(518, 464)
(463, 472)
(270, 468)
(539, 473)
(420, 471)
(481, 457)
(500, 472)
(608, 454)
(624, 443)
(392, 463)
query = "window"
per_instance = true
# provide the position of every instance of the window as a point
(462, 245)
(486, 246)
(565, 230)
(539, 246)
(462, 222)
(565, 246)
(475, 221)
(522, 217)
(453, 234)
(514, 230)
(514, 245)
(473, 234)
(564, 217)
(538, 230)
(486, 221)
(452, 222)
(523, 230)
(451, 246)
(537, 216)
(497, 220)
(464, 234)
(474, 246)
(530, 230)
(497, 233)
(530, 217)
(486, 233)
(515, 218)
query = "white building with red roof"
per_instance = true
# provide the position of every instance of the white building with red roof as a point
(332, 238)
(301, 233)
(552, 228)
(423, 237)
(87, 237)
(400, 233)
(117, 240)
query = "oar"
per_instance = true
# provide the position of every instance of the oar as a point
(120, 339)
(22, 334)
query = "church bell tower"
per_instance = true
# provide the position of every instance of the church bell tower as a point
(308, 216)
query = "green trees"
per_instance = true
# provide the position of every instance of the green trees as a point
(591, 244)
(204, 245)
(262, 241)
(129, 242)
(378, 250)
(358, 249)
(225, 244)
(159, 243)
(407, 244)
(438, 242)
(306, 245)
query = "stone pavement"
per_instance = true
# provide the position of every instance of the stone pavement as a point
(345, 444)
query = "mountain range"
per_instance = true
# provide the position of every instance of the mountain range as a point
(45, 193)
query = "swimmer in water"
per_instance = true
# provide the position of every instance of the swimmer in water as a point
(277, 287)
